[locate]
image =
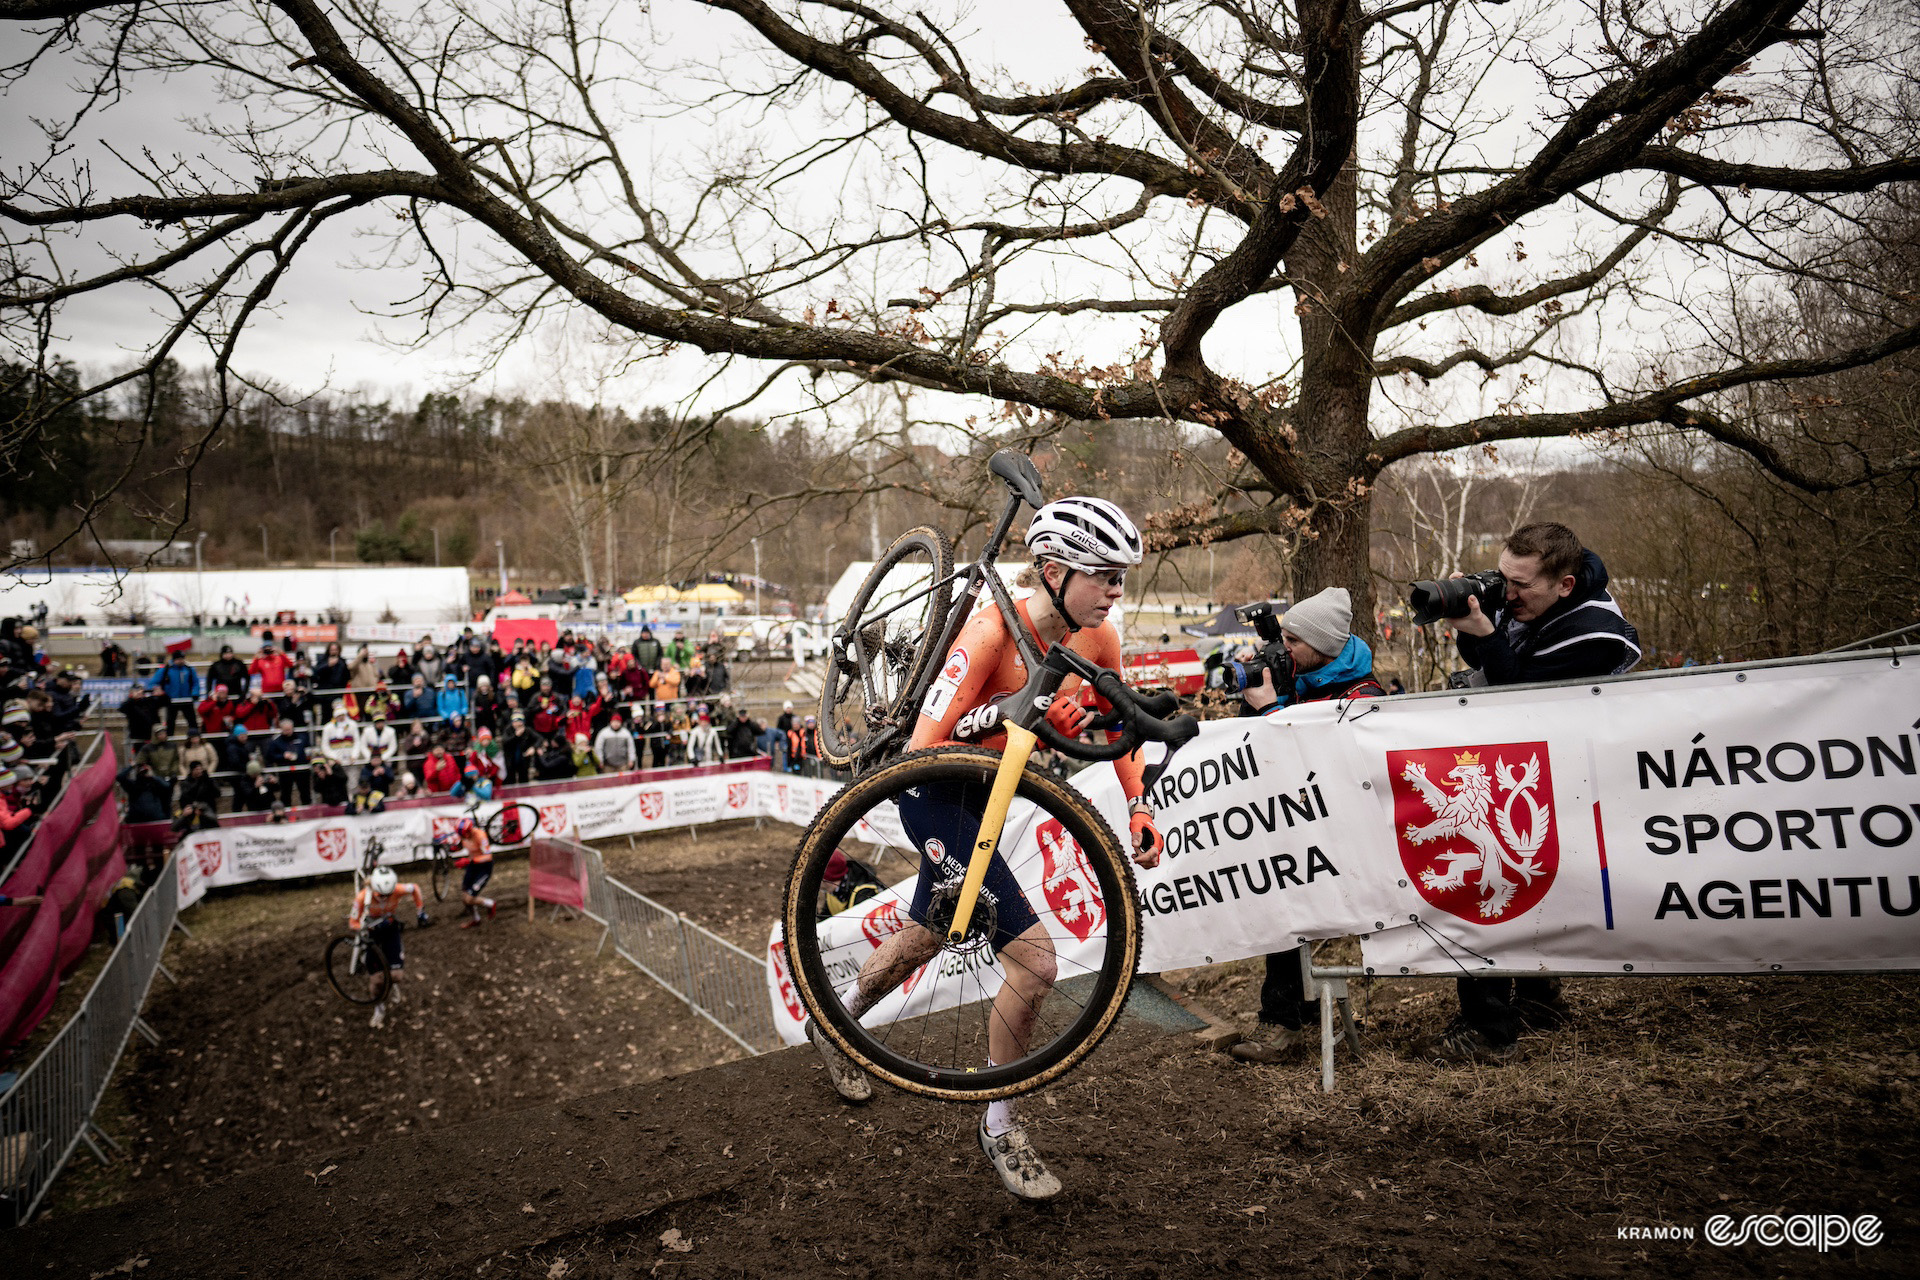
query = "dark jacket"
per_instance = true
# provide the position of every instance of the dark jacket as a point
(1580, 637)
(149, 796)
(200, 790)
(489, 712)
(302, 709)
(230, 672)
(330, 676)
(554, 760)
(280, 752)
(142, 714)
(330, 789)
(518, 751)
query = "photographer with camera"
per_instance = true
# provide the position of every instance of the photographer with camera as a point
(1310, 655)
(1543, 615)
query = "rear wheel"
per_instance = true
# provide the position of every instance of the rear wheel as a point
(881, 651)
(357, 968)
(514, 824)
(442, 875)
(930, 1020)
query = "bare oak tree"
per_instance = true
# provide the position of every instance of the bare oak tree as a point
(1436, 223)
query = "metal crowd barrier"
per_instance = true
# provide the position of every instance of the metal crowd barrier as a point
(718, 980)
(49, 1110)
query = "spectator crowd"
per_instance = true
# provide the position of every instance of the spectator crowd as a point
(41, 708)
(288, 726)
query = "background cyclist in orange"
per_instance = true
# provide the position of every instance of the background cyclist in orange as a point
(374, 909)
(476, 857)
(1082, 549)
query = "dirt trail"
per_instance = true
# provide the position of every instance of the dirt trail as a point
(277, 1136)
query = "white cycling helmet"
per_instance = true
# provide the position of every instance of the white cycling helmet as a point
(383, 880)
(1089, 534)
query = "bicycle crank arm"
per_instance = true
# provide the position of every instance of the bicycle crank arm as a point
(1013, 762)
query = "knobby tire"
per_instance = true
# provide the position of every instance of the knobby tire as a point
(890, 1056)
(843, 692)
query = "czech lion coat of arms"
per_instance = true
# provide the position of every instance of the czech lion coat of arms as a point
(1479, 845)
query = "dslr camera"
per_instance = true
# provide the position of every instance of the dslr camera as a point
(1434, 599)
(1237, 677)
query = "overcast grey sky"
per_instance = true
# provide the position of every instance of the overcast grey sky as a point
(326, 327)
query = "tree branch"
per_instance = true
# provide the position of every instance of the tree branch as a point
(1669, 405)
(1763, 177)
(1483, 299)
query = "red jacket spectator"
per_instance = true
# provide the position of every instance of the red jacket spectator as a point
(639, 682)
(272, 667)
(216, 713)
(579, 720)
(440, 771)
(257, 712)
(546, 713)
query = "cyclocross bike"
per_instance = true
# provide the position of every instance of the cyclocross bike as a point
(903, 621)
(510, 826)
(357, 967)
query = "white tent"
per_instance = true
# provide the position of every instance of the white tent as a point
(169, 597)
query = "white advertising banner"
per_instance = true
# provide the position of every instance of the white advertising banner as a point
(1716, 820)
(235, 855)
(1254, 861)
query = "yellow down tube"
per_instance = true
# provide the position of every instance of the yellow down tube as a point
(1013, 762)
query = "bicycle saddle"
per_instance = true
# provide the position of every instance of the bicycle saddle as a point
(1018, 471)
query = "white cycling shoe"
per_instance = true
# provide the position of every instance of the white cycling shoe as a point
(1018, 1164)
(849, 1081)
(379, 1014)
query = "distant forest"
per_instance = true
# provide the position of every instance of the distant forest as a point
(1711, 557)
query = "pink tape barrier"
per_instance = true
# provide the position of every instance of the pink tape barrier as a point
(72, 863)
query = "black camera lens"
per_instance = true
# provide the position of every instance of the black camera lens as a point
(1434, 599)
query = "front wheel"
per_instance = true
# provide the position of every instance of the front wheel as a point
(1054, 947)
(883, 648)
(514, 824)
(357, 968)
(442, 876)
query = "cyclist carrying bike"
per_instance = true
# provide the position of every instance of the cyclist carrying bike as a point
(1082, 549)
(375, 909)
(476, 861)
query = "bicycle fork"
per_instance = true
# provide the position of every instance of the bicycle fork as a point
(1029, 706)
(1013, 762)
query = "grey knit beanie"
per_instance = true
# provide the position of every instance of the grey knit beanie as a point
(1323, 621)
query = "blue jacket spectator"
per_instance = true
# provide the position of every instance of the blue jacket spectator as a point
(177, 680)
(420, 704)
(453, 699)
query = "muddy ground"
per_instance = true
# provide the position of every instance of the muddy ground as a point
(347, 1152)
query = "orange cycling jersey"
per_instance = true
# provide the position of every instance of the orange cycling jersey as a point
(371, 907)
(474, 845)
(985, 666)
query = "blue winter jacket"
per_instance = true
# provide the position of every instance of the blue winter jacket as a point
(178, 680)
